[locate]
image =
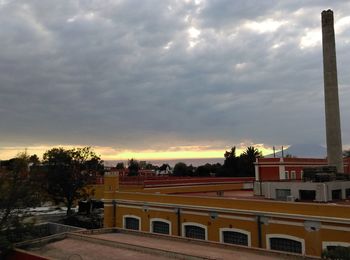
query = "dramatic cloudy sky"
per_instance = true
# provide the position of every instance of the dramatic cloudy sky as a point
(156, 78)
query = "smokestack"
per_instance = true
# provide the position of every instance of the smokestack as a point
(333, 132)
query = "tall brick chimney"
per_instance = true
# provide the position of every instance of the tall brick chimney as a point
(333, 131)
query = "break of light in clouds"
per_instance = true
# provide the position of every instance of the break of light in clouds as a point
(109, 153)
(138, 78)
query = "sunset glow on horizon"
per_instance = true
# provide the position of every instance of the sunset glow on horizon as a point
(109, 153)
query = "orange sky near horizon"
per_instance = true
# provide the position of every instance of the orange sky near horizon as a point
(109, 153)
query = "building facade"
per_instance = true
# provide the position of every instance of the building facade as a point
(301, 228)
(276, 169)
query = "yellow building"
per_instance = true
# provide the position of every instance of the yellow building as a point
(302, 228)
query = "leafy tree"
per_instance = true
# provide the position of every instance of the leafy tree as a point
(150, 166)
(133, 167)
(164, 167)
(16, 193)
(247, 160)
(34, 159)
(190, 170)
(203, 170)
(120, 166)
(239, 166)
(230, 167)
(180, 169)
(252, 153)
(69, 172)
(216, 168)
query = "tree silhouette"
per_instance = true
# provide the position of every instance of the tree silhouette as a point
(69, 171)
(231, 163)
(248, 158)
(180, 169)
(133, 167)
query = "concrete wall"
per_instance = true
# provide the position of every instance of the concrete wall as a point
(323, 189)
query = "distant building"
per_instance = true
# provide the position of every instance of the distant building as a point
(278, 169)
(125, 172)
(283, 179)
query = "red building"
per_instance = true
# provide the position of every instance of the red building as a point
(273, 169)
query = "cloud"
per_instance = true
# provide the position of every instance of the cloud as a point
(138, 75)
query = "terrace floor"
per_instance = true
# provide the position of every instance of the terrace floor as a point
(138, 245)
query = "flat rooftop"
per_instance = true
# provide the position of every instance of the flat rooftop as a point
(125, 244)
(249, 194)
(246, 194)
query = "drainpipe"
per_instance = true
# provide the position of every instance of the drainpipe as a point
(259, 231)
(325, 192)
(178, 214)
(114, 212)
(261, 188)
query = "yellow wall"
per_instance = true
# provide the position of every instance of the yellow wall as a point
(286, 218)
(194, 188)
(282, 217)
(96, 191)
(251, 205)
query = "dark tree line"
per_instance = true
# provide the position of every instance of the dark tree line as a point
(134, 166)
(234, 166)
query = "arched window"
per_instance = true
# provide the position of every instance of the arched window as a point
(132, 222)
(285, 243)
(160, 226)
(235, 236)
(194, 230)
(332, 245)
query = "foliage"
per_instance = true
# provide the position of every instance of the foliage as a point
(16, 194)
(164, 167)
(242, 166)
(34, 159)
(180, 169)
(208, 170)
(338, 253)
(150, 166)
(234, 166)
(120, 166)
(69, 171)
(133, 167)
(230, 167)
(203, 170)
(247, 159)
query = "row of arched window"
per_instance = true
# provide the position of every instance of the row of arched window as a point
(189, 229)
(279, 242)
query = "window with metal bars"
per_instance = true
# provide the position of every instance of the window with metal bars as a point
(194, 232)
(160, 227)
(132, 223)
(233, 237)
(286, 245)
